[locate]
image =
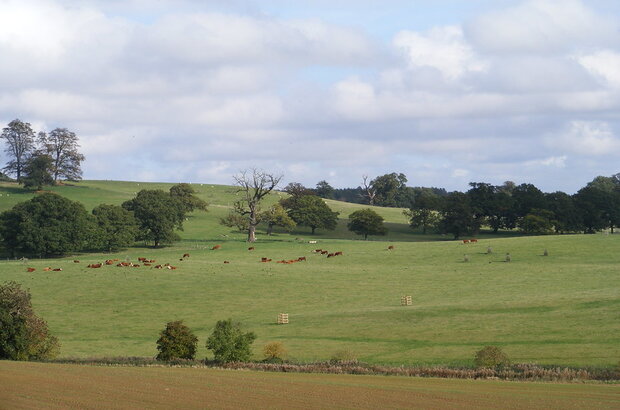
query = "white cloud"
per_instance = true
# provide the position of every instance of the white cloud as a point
(604, 64)
(442, 48)
(591, 138)
(551, 162)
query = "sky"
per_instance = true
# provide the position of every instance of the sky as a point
(446, 91)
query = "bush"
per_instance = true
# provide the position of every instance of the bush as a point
(274, 352)
(491, 356)
(229, 343)
(344, 356)
(23, 335)
(176, 341)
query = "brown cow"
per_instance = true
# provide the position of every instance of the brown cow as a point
(147, 264)
(142, 259)
(94, 265)
(329, 255)
(473, 240)
(47, 269)
(135, 265)
(324, 252)
(109, 262)
(57, 270)
(251, 248)
(216, 247)
(31, 269)
(186, 255)
(76, 261)
(465, 240)
(339, 253)
(318, 250)
(226, 262)
(171, 267)
(391, 247)
(303, 258)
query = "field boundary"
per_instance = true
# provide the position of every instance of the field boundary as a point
(516, 372)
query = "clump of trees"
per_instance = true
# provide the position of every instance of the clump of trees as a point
(230, 343)
(43, 159)
(311, 211)
(491, 356)
(23, 335)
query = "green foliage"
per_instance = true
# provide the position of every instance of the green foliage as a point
(366, 222)
(62, 147)
(311, 211)
(117, 228)
(48, 224)
(458, 215)
(324, 190)
(186, 195)
(274, 352)
(537, 221)
(276, 216)
(491, 356)
(176, 341)
(390, 190)
(158, 215)
(19, 138)
(235, 220)
(229, 343)
(37, 172)
(23, 335)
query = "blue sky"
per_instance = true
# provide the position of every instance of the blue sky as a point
(447, 92)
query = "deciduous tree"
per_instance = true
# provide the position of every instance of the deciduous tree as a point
(186, 195)
(117, 227)
(366, 222)
(229, 343)
(176, 341)
(311, 211)
(254, 185)
(19, 138)
(62, 146)
(37, 171)
(276, 216)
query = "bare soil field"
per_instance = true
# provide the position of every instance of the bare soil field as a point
(36, 385)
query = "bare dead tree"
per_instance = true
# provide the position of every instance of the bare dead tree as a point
(369, 191)
(254, 185)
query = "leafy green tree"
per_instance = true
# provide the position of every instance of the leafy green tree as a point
(235, 220)
(296, 189)
(366, 222)
(566, 216)
(458, 215)
(311, 211)
(424, 210)
(117, 227)
(19, 138)
(391, 190)
(158, 215)
(537, 221)
(527, 197)
(229, 343)
(592, 204)
(176, 341)
(62, 147)
(324, 190)
(276, 216)
(186, 195)
(45, 225)
(23, 335)
(37, 171)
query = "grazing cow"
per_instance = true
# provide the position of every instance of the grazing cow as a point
(31, 269)
(251, 248)
(76, 261)
(47, 269)
(324, 252)
(171, 267)
(318, 250)
(339, 253)
(473, 240)
(303, 258)
(109, 262)
(147, 264)
(391, 247)
(142, 259)
(226, 262)
(216, 247)
(329, 255)
(158, 267)
(94, 265)
(57, 270)
(186, 255)
(135, 265)
(465, 240)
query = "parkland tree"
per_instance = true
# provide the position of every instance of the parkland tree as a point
(20, 143)
(62, 146)
(366, 222)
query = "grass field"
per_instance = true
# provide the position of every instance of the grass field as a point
(562, 309)
(37, 385)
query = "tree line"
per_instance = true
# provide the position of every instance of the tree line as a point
(36, 160)
(52, 225)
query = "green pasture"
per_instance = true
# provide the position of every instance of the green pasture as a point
(560, 309)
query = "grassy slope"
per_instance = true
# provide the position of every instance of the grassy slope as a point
(560, 309)
(37, 385)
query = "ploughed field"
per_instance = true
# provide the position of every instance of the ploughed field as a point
(38, 385)
(561, 309)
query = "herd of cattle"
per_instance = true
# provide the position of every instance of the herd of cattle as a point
(149, 262)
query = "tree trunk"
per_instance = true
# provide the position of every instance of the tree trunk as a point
(313, 228)
(269, 229)
(365, 236)
(252, 233)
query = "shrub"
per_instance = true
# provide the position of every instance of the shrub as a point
(274, 352)
(343, 356)
(23, 335)
(176, 341)
(491, 356)
(229, 343)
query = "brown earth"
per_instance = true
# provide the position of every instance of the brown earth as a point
(37, 385)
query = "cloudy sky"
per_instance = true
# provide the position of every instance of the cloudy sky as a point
(445, 91)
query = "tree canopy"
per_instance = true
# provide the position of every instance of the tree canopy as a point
(62, 147)
(186, 195)
(37, 171)
(311, 211)
(19, 138)
(117, 228)
(366, 222)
